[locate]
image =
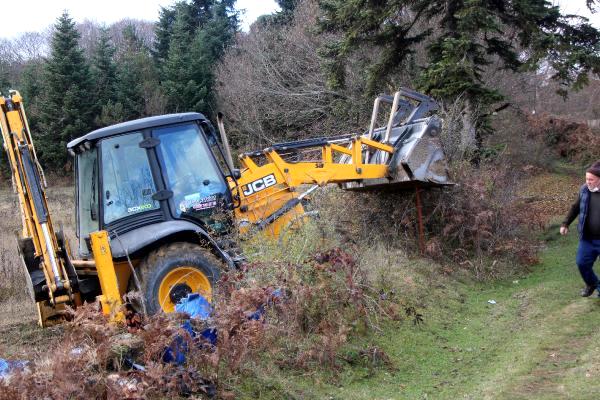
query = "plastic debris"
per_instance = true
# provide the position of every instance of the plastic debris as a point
(77, 351)
(492, 301)
(4, 368)
(8, 367)
(195, 305)
(198, 308)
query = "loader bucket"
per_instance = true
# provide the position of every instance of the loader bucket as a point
(418, 158)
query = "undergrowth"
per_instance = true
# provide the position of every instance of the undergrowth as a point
(296, 316)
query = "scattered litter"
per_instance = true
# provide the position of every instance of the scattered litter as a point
(195, 305)
(516, 281)
(492, 301)
(77, 351)
(8, 367)
(4, 368)
(198, 308)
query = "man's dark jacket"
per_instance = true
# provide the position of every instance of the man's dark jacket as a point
(587, 207)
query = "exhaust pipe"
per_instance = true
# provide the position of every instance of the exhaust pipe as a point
(221, 125)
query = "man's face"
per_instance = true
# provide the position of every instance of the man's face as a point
(592, 181)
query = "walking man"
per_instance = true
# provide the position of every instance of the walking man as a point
(587, 207)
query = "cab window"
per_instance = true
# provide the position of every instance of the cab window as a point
(87, 197)
(127, 180)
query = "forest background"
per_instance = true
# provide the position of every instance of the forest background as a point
(517, 83)
(310, 69)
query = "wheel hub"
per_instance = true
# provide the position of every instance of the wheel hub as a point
(180, 282)
(178, 292)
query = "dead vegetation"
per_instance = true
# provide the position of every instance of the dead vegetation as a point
(566, 138)
(294, 316)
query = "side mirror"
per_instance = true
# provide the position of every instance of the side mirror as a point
(93, 213)
(236, 174)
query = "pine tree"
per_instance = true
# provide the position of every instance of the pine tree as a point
(178, 81)
(200, 33)
(31, 89)
(4, 80)
(467, 37)
(134, 70)
(163, 31)
(282, 17)
(104, 73)
(67, 94)
(208, 46)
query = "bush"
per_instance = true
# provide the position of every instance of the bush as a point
(568, 139)
(292, 315)
(480, 223)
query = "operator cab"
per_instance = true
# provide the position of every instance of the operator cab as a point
(157, 170)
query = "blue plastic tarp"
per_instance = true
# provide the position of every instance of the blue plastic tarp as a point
(195, 305)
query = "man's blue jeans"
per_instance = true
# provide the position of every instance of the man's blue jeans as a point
(587, 253)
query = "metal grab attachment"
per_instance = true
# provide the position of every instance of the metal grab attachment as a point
(418, 157)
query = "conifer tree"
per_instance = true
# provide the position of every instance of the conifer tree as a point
(4, 81)
(281, 17)
(199, 35)
(201, 32)
(31, 89)
(133, 71)
(178, 81)
(163, 31)
(67, 94)
(464, 37)
(104, 73)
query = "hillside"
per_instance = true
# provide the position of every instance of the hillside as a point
(528, 336)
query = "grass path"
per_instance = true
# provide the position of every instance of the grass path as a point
(540, 340)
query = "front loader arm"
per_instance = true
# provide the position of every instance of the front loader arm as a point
(404, 153)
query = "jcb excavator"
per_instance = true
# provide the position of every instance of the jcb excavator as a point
(158, 198)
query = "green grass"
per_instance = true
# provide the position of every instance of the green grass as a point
(539, 341)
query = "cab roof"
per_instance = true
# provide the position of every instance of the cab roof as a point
(135, 125)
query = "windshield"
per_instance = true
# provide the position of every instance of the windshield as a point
(191, 171)
(127, 179)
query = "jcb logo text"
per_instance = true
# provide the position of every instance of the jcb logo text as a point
(260, 184)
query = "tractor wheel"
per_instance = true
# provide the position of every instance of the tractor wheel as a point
(171, 272)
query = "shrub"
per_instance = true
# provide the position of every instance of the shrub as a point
(568, 139)
(293, 315)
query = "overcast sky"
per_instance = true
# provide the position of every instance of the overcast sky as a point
(37, 15)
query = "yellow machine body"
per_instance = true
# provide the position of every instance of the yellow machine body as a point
(264, 190)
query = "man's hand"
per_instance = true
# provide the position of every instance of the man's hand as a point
(564, 230)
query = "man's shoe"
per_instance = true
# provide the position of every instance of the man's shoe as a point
(587, 291)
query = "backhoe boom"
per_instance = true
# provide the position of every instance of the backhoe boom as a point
(51, 276)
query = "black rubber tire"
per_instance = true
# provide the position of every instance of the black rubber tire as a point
(160, 262)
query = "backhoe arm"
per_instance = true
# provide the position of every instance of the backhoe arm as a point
(44, 254)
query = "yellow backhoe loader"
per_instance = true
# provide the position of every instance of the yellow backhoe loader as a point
(158, 198)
